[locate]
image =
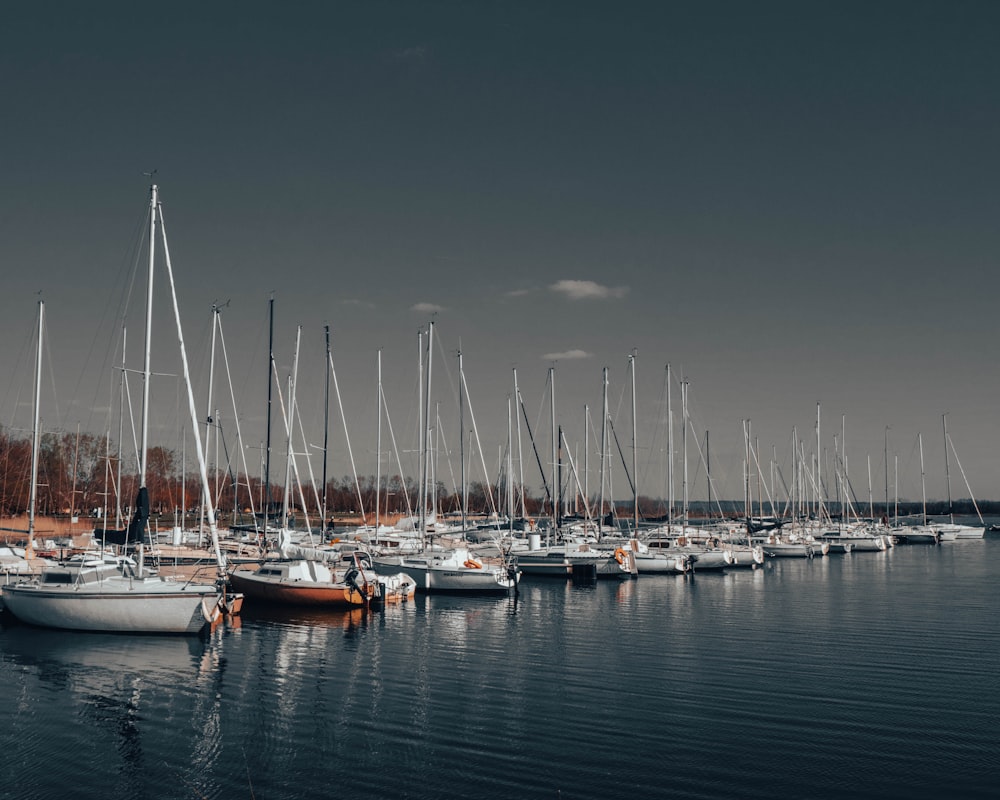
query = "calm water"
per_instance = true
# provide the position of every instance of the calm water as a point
(866, 675)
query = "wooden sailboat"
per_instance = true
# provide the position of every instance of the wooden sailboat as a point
(113, 592)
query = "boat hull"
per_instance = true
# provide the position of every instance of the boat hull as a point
(431, 577)
(148, 606)
(296, 593)
(557, 562)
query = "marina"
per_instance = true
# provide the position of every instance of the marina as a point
(822, 677)
(538, 401)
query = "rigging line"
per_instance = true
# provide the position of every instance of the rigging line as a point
(447, 453)
(236, 418)
(444, 360)
(534, 448)
(479, 446)
(395, 449)
(306, 454)
(27, 342)
(133, 254)
(347, 435)
(967, 486)
(621, 454)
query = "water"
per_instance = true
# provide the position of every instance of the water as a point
(866, 675)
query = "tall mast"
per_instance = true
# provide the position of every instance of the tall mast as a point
(378, 447)
(520, 459)
(684, 464)
(947, 470)
(885, 456)
(208, 410)
(708, 474)
(326, 432)
(146, 366)
(670, 455)
(604, 446)
(635, 474)
(425, 456)
(819, 465)
(117, 475)
(510, 469)
(923, 488)
(746, 477)
(270, 389)
(33, 499)
(420, 431)
(199, 450)
(586, 455)
(555, 478)
(290, 422)
(461, 436)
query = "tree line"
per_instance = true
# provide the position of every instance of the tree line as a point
(80, 474)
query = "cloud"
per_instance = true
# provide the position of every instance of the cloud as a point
(427, 308)
(418, 53)
(518, 293)
(353, 301)
(566, 355)
(588, 290)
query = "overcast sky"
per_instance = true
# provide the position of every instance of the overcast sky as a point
(791, 203)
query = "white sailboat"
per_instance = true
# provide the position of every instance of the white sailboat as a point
(453, 569)
(114, 593)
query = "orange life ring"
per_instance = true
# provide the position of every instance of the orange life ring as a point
(620, 556)
(470, 564)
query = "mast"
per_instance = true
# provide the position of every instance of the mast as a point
(208, 404)
(33, 499)
(746, 477)
(421, 437)
(604, 446)
(146, 366)
(885, 456)
(290, 421)
(947, 470)
(670, 456)
(461, 437)
(202, 466)
(635, 474)
(923, 489)
(378, 448)
(708, 474)
(117, 475)
(326, 432)
(510, 469)
(270, 389)
(555, 485)
(426, 431)
(520, 458)
(819, 466)
(586, 455)
(684, 448)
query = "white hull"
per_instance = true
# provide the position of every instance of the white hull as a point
(660, 564)
(795, 549)
(447, 572)
(953, 532)
(746, 556)
(564, 563)
(116, 605)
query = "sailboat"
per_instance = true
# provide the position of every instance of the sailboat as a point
(952, 530)
(334, 576)
(115, 593)
(455, 569)
(18, 563)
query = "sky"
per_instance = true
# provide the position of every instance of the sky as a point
(793, 204)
